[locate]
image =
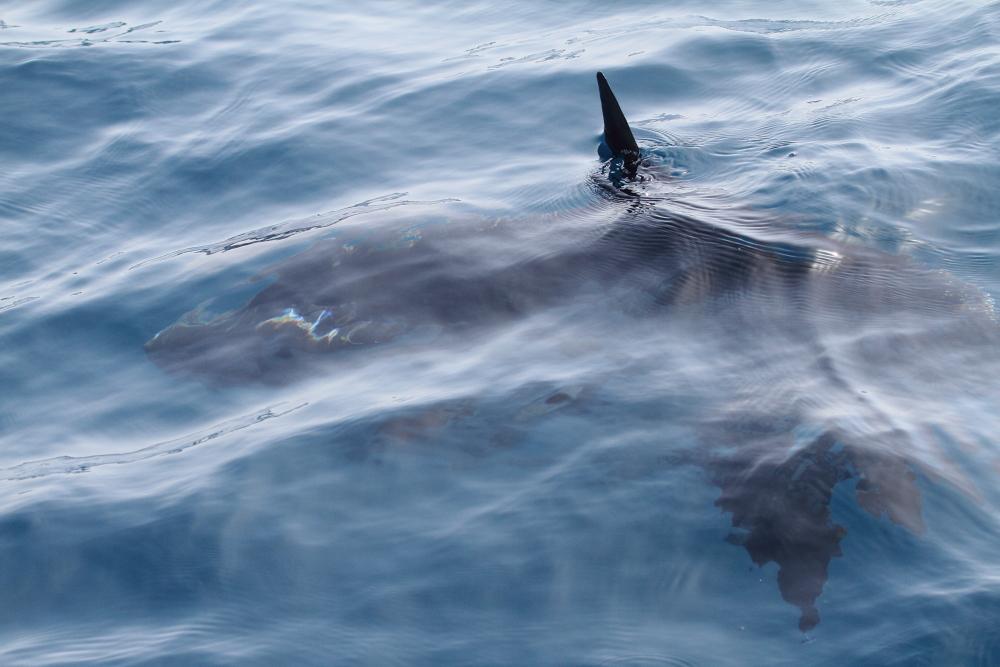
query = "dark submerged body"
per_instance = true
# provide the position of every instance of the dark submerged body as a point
(753, 293)
(375, 297)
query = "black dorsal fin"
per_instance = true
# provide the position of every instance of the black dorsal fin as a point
(617, 133)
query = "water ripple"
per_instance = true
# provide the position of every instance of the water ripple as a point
(90, 40)
(64, 465)
(290, 228)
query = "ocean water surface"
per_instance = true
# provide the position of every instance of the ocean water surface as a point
(327, 337)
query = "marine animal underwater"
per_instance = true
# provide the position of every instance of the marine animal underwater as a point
(812, 345)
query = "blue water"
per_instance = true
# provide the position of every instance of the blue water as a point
(538, 491)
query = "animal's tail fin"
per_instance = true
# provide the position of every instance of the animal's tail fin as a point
(617, 133)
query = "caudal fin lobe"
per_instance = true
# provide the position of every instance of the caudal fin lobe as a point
(617, 133)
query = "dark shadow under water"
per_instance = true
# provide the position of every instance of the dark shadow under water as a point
(814, 354)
